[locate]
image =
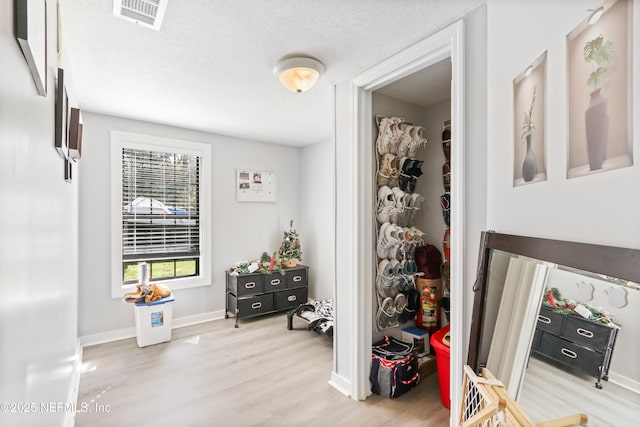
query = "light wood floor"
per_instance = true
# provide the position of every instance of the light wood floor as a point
(549, 392)
(260, 374)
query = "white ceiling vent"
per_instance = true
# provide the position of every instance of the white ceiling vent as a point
(148, 13)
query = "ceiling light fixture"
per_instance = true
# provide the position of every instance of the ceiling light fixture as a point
(298, 74)
(595, 15)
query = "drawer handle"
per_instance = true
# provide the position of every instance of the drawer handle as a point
(292, 298)
(250, 285)
(297, 278)
(568, 353)
(256, 305)
(543, 319)
(275, 282)
(585, 332)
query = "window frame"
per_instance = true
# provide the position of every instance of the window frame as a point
(120, 140)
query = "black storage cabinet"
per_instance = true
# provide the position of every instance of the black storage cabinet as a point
(255, 294)
(577, 343)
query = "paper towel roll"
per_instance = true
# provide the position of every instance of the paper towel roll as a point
(143, 273)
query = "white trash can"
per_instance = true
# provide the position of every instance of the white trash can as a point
(153, 321)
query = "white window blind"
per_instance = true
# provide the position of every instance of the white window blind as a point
(160, 205)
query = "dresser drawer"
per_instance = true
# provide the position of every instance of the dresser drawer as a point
(535, 344)
(571, 354)
(296, 278)
(246, 284)
(258, 304)
(550, 321)
(588, 333)
(290, 298)
(275, 282)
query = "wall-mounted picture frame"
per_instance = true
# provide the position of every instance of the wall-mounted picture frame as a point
(61, 117)
(30, 27)
(255, 185)
(599, 86)
(68, 170)
(529, 123)
(75, 134)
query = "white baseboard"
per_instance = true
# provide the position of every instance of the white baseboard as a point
(125, 333)
(197, 318)
(625, 382)
(340, 383)
(109, 336)
(70, 417)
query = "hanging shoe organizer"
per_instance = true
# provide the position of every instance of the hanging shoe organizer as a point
(397, 203)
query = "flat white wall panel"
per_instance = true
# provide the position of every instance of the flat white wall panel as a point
(345, 289)
(317, 217)
(38, 243)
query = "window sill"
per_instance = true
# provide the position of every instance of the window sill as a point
(174, 285)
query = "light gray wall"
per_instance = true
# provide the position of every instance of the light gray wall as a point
(240, 230)
(38, 243)
(317, 217)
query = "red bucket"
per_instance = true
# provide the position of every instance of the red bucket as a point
(443, 355)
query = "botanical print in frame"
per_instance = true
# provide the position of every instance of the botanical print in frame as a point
(600, 93)
(529, 108)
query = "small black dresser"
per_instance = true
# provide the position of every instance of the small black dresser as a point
(255, 294)
(576, 342)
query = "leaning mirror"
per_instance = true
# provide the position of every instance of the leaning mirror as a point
(558, 323)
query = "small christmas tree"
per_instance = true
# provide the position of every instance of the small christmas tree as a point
(290, 248)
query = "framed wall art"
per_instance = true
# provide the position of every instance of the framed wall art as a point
(68, 170)
(529, 108)
(255, 186)
(30, 26)
(75, 134)
(61, 117)
(599, 85)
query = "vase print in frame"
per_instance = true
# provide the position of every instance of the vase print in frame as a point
(599, 70)
(529, 123)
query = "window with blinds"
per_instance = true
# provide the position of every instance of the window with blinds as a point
(160, 213)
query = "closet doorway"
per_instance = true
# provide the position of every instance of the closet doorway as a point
(421, 103)
(441, 51)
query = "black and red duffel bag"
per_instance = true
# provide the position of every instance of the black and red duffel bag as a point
(394, 367)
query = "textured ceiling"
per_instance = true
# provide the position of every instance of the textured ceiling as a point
(210, 66)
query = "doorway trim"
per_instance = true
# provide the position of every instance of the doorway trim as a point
(446, 43)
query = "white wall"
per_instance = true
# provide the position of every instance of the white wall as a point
(240, 230)
(430, 186)
(343, 364)
(475, 158)
(317, 217)
(601, 208)
(38, 243)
